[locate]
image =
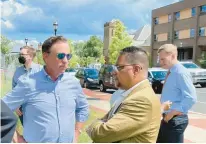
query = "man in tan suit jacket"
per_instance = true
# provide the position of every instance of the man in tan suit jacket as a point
(135, 116)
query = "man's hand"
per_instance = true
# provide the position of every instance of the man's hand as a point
(166, 105)
(18, 112)
(171, 114)
(77, 133)
(17, 138)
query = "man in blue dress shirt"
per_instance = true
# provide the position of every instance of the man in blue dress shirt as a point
(54, 106)
(26, 57)
(180, 91)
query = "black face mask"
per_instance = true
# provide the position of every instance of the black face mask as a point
(22, 60)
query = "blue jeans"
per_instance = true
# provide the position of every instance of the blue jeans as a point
(173, 131)
(21, 117)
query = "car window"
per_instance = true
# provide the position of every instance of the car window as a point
(159, 74)
(149, 75)
(91, 72)
(102, 69)
(190, 65)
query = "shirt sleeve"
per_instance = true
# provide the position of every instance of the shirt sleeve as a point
(82, 107)
(188, 92)
(17, 96)
(14, 83)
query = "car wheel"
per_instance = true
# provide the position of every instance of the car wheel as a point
(85, 85)
(102, 88)
(203, 85)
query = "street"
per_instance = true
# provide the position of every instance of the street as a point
(200, 106)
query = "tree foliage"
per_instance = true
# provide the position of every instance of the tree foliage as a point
(5, 45)
(120, 40)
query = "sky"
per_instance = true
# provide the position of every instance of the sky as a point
(77, 19)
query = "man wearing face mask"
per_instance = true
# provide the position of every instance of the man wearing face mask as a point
(26, 57)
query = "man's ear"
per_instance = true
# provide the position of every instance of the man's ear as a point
(45, 56)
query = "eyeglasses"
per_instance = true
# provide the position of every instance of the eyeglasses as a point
(119, 68)
(61, 56)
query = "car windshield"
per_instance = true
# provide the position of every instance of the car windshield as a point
(159, 74)
(190, 65)
(91, 72)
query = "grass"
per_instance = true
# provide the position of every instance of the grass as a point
(93, 115)
(6, 87)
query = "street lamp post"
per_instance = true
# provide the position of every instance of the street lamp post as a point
(55, 24)
(26, 41)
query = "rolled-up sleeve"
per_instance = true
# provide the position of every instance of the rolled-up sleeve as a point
(189, 97)
(17, 96)
(82, 106)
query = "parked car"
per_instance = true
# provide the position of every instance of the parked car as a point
(156, 77)
(198, 74)
(72, 71)
(88, 77)
(106, 79)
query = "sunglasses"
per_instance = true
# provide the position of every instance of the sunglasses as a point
(61, 56)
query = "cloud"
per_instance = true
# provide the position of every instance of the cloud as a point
(17, 44)
(7, 24)
(76, 18)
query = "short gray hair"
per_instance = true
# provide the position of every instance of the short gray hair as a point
(168, 48)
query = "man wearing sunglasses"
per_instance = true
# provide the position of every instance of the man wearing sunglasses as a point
(26, 57)
(136, 114)
(53, 100)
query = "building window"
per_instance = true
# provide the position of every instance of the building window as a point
(202, 31)
(203, 9)
(193, 11)
(177, 15)
(156, 20)
(192, 33)
(169, 18)
(177, 35)
(155, 37)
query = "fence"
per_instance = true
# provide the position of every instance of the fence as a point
(9, 62)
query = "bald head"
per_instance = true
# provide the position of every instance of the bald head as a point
(135, 55)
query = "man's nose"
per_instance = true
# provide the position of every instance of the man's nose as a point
(65, 60)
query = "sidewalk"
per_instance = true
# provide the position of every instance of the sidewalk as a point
(195, 132)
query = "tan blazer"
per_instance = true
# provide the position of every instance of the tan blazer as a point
(137, 120)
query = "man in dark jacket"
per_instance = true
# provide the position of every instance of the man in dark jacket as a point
(8, 123)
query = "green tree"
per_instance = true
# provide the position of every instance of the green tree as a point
(39, 59)
(5, 45)
(120, 40)
(78, 48)
(93, 47)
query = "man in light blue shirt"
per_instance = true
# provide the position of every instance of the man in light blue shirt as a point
(26, 57)
(55, 107)
(180, 91)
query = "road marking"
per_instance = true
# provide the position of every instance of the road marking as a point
(197, 113)
(201, 102)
